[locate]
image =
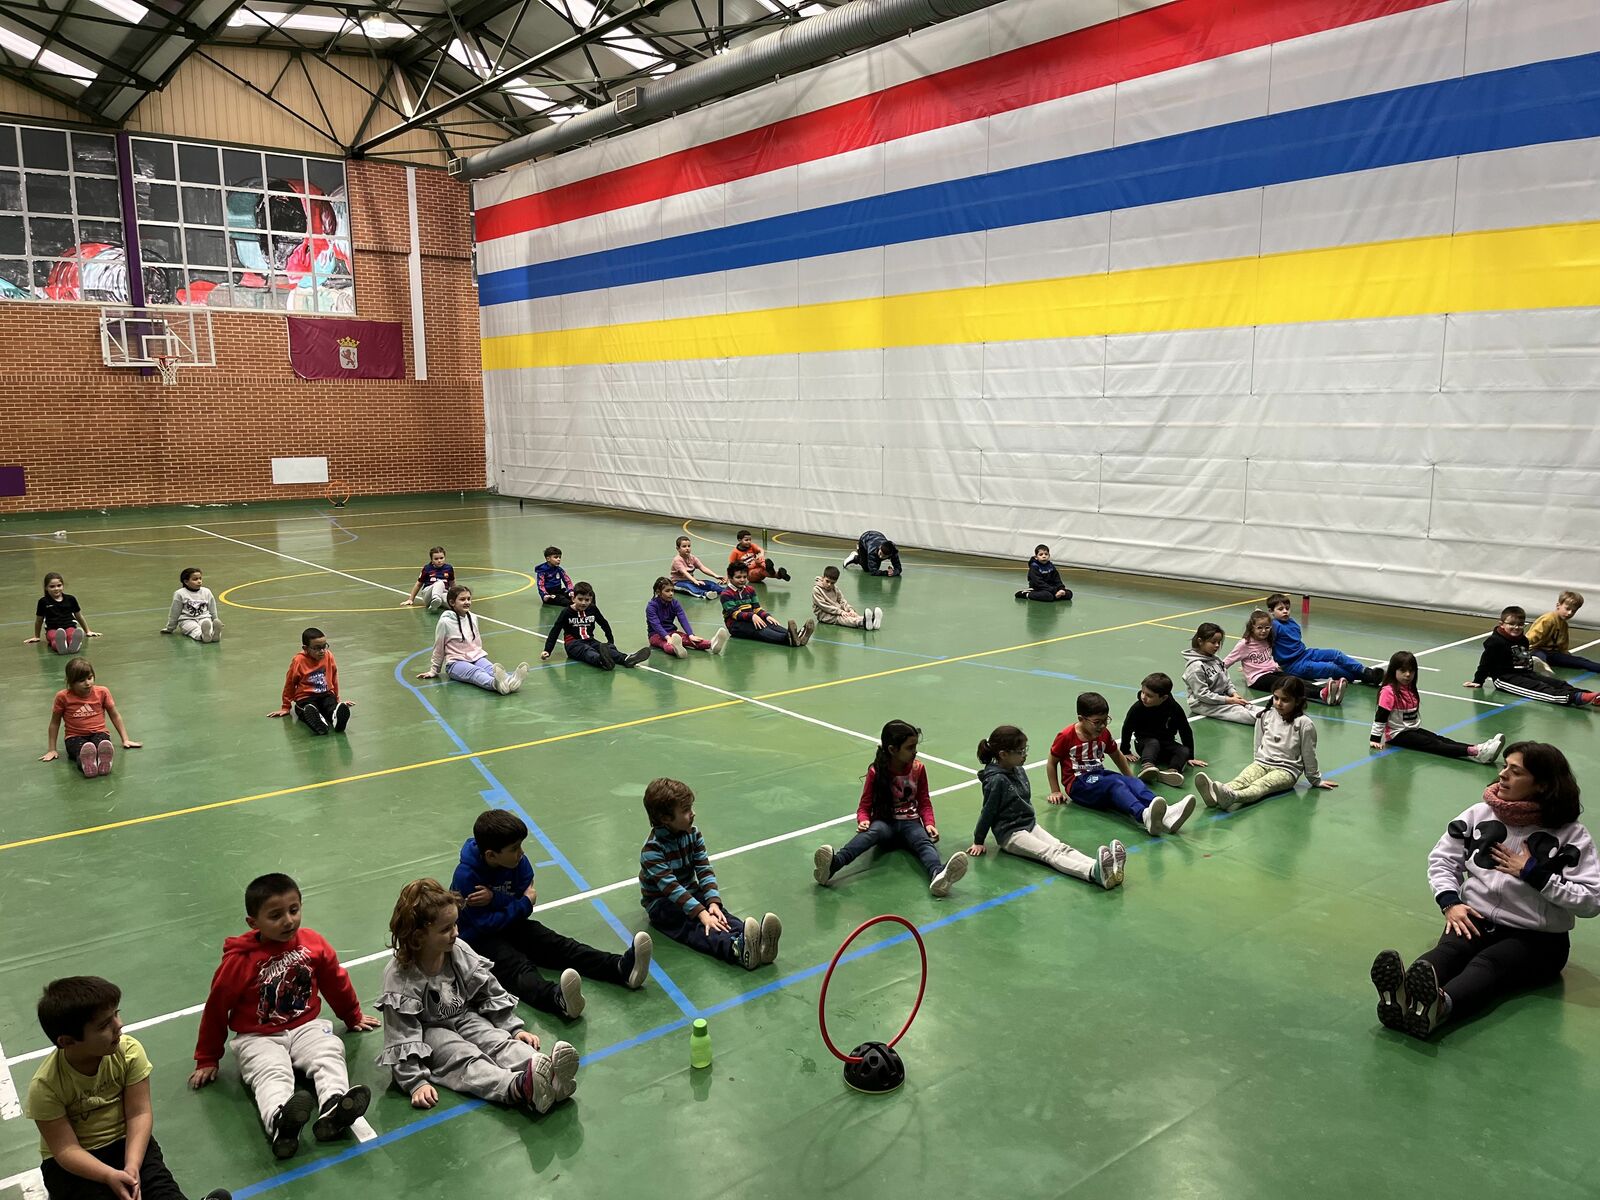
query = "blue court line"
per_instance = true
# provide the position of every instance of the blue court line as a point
(498, 797)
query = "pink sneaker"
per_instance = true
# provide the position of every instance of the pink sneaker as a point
(89, 762)
(104, 755)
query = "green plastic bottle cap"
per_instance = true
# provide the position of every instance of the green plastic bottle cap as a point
(700, 1025)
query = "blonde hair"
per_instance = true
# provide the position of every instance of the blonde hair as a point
(1573, 600)
(421, 903)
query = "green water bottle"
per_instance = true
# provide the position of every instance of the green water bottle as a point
(699, 1044)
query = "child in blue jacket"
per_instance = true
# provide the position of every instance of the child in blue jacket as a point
(1294, 657)
(1044, 581)
(495, 880)
(555, 585)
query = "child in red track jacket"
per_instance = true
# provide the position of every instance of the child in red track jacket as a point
(266, 992)
(311, 687)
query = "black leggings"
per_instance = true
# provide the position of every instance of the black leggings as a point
(1498, 962)
(1154, 751)
(75, 744)
(522, 948)
(1429, 742)
(155, 1181)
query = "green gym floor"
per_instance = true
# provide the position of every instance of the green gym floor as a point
(1206, 1031)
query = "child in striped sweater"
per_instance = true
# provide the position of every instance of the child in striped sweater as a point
(458, 649)
(679, 892)
(1398, 721)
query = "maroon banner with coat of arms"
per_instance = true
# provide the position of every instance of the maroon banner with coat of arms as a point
(343, 348)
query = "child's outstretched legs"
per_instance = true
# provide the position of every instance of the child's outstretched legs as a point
(1570, 662)
(1235, 714)
(477, 1059)
(1251, 785)
(479, 673)
(1320, 664)
(1041, 846)
(728, 945)
(1121, 793)
(879, 833)
(64, 641)
(1429, 742)
(770, 632)
(914, 838)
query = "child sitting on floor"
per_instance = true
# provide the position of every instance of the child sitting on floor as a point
(433, 581)
(265, 990)
(458, 649)
(497, 921)
(448, 1022)
(686, 565)
(668, 625)
(1285, 749)
(1156, 729)
(311, 687)
(59, 616)
(1253, 652)
(755, 562)
(1081, 748)
(1510, 874)
(745, 618)
(1398, 721)
(1211, 691)
(1550, 636)
(555, 585)
(90, 1099)
(829, 606)
(895, 810)
(1008, 810)
(85, 706)
(194, 609)
(679, 892)
(1044, 581)
(1506, 665)
(575, 627)
(1296, 658)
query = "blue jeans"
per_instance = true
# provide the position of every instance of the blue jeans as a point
(672, 921)
(888, 834)
(1573, 662)
(704, 588)
(1112, 790)
(1324, 664)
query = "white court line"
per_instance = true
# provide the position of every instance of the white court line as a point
(363, 1131)
(564, 901)
(866, 737)
(31, 1182)
(10, 1108)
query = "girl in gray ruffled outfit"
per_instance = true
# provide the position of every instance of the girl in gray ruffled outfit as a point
(447, 1022)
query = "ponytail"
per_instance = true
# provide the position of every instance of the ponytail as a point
(1006, 739)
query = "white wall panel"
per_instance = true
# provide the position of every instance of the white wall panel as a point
(1421, 46)
(1350, 356)
(1488, 352)
(1215, 92)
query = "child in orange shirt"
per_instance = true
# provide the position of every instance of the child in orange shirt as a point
(749, 553)
(85, 707)
(311, 687)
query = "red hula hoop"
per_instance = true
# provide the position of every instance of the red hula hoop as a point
(822, 1000)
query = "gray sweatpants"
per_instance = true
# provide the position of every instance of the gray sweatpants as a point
(475, 1057)
(1042, 846)
(1238, 714)
(268, 1063)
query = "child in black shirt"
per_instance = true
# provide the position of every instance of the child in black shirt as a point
(58, 615)
(575, 627)
(1159, 730)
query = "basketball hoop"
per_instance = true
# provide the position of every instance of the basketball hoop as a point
(167, 364)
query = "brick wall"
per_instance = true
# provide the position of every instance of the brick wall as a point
(92, 436)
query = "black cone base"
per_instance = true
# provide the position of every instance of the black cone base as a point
(880, 1069)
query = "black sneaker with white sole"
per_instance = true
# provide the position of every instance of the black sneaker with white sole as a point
(341, 716)
(288, 1121)
(312, 719)
(341, 1112)
(638, 656)
(1389, 977)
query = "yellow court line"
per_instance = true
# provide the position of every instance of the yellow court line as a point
(1179, 628)
(944, 662)
(328, 783)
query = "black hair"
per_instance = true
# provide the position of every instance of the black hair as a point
(1157, 683)
(661, 582)
(48, 576)
(496, 829)
(183, 575)
(889, 549)
(264, 887)
(1092, 704)
(310, 634)
(1276, 599)
(1039, 547)
(68, 1005)
(583, 588)
(741, 535)
(1400, 660)
(1207, 631)
(738, 568)
(1005, 739)
(1295, 688)
(1558, 794)
(549, 550)
(893, 737)
(832, 572)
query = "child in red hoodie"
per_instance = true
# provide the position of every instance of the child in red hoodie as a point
(311, 687)
(266, 992)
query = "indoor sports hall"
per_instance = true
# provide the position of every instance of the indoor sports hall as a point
(1217, 301)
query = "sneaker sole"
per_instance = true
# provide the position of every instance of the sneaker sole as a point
(771, 931)
(1171, 778)
(750, 952)
(1119, 858)
(1187, 804)
(1204, 786)
(1388, 977)
(822, 866)
(572, 1001)
(1422, 993)
(352, 1107)
(643, 947)
(1152, 825)
(539, 1077)
(292, 1119)
(564, 1069)
(1107, 863)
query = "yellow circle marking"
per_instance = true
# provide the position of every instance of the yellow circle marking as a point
(476, 599)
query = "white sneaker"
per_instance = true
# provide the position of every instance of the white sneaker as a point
(1154, 816)
(1487, 752)
(502, 681)
(435, 603)
(514, 681)
(1105, 868)
(1539, 665)
(1203, 785)
(951, 875)
(205, 629)
(643, 947)
(1170, 778)
(771, 931)
(571, 996)
(216, 631)
(822, 866)
(1119, 861)
(1177, 814)
(1148, 772)
(719, 640)
(564, 1071)
(852, 559)
(877, 618)
(674, 646)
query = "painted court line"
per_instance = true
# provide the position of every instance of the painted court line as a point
(31, 1182)
(10, 1107)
